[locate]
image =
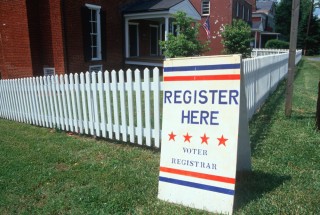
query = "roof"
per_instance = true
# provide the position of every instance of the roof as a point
(264, 5)
(152, 5)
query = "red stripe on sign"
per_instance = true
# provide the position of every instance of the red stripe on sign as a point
(203, 78)
(198, 175)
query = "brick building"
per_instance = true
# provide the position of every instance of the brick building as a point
(40, 37)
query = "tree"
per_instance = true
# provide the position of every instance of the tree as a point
(283, 18)
(309, 27)
(186, 42)
(236, 38)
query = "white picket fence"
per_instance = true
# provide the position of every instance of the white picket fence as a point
(124, 108)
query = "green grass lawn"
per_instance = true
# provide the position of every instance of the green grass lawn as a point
(44, 171)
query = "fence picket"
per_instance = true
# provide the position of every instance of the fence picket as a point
(95, 104)
(156, 106)
(84, 103)
(14, 101)
(114, 89)
(89, 102)
(69, 112)
(21, 101)
(137, 88)
(56, 115)
(79, 129)
(73, 103)
(147, 112)
(107, 88)
(123, 106)
(129, 87)
(47, 102)
(64, 104)
(59, 96)
(2, 100)
(101, 102)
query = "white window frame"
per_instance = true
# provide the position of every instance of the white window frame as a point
(205, 10)
(92, 68)
(98, 27)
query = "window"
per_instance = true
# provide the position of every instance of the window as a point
(47, 71)
(248, 18)
(205, 7)
(173, 28)
(133, 39)
(238, 8)
(93, 27)
(95, 32)
(243, 13)
(95, 68)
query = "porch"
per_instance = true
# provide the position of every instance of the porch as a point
(147, 23)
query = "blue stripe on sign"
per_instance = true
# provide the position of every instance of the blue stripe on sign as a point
(201, 67)
(196, 185)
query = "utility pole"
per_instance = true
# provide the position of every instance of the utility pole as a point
(292, 55)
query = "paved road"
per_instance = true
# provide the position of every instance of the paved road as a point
(314, 58)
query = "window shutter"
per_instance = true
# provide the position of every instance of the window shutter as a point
(85, 15)
(103, 34)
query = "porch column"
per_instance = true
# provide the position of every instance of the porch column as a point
(255, 39)
(260, 41)
(126, 36)
(166, 26)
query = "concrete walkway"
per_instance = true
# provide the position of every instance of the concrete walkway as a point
(314, 58)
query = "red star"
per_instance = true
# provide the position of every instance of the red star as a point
(222, 140)
(204, 139)
(187, 138)
(171, 136)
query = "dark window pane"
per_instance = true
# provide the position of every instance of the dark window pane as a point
(93, 40)
(93, 15)
(94, 52)
(133, 37)
(93, 27)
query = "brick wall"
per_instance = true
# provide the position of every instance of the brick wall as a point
(45, 24)
(15, 53)
(114, 34)
(58, 56)
(220, 15)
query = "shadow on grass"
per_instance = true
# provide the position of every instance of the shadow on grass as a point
(253, 185)
(262, 121)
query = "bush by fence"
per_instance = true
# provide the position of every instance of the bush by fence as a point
(277, 44)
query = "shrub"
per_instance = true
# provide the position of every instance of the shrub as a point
(186, 43)
(237, 38)
(277, 44)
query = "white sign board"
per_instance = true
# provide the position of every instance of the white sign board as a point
(200, 132)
